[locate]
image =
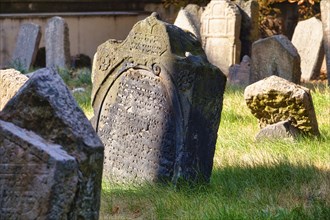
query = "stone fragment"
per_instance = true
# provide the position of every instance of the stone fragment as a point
(157, 104)
(275, 99)
(185, 22)
(57, 43)
(275, 55)
(27, 45)
(45, 106)
(325, 15)
(250, 24)
(279, 130)
(38, 179)
(11, 81)
(220, 31)
(307, 38)
(239, 74)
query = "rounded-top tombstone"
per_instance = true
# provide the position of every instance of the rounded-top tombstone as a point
(157, 103)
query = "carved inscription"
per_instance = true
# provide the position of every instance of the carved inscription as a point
(138, 129)
(147, 44)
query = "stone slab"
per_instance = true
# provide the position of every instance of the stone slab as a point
(282, 130)
(239, 74)
(185, 22)
(325, 15)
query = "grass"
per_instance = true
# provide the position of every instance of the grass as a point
(250, 180)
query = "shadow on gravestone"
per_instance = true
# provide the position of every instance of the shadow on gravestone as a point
(45, 106)
(157, 103)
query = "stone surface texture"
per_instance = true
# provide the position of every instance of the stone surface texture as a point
(279, 130)
(275, 99)
(275, 55)
(184, 21)
(307, 38)
(38, 179)
(220, 31)
(45, 106)
(325, 16)
(239, 74)
(27, 45)
(11, 81)
(157, 104)
(195, 12)
(57, 43)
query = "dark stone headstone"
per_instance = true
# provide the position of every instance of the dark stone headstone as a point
(45, 106)
(157, 104)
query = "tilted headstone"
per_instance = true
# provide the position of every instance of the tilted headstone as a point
(275, 99)
(45, 106)
(277, 56)
(157, 104)
(57, 43)
(11, 81)
(27, 45)
(250, 24)
(325, 15)
(195, 12)
(38, 179)
(307, 38)
(220, 31)
(185, 22)
(239, 74)
(279, 130)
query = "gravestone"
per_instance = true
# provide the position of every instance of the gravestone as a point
(45, 106)
(11, 81)
(57, 43)
(185, 22)
(157, 103)
(307, 38)
(325, 15)
(27, 45)
(220, 31)
(195, 12)
(249, 25)
(279, 130)
(277, 56)
(38, 179)
(275, 99)
(239, 74)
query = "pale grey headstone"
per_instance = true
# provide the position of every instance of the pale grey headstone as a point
(185, 22)
(325, 15)
(282, 130)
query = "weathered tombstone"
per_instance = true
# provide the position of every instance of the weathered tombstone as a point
(27, 45)
(220, 31)
(157, 107)
(277, 56)
(195, 12)
(57, 43)
(11, 81)
(325, 14)
(45, 106)
(38, 179)
(239, 74)
(250, 24)
(275, 99)
(185, 22)
(279, 130)
(307, 38)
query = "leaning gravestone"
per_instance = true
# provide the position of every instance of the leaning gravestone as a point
(185, 22)
(195, 12)
(38, 179)
(275, 99)
(27, 45)
(157, 104)
(275, 55)
(11, 81)
(220, 31)
(325, 14)
(45, 106)
(57, 43)
(307, 38)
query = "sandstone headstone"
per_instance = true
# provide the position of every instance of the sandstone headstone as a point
(277, 56)
(57, 43)
(220, 31)
(185, 22)
(10, 82)
(307, 38)
(157, 104)
(275, 99)
(325, 15)
(250, 24)
(27, 45)
(38, 179)
(279, 130)
(45, 106)
(239, 74)
(195, 12)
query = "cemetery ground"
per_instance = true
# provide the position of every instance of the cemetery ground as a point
(280, 179)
